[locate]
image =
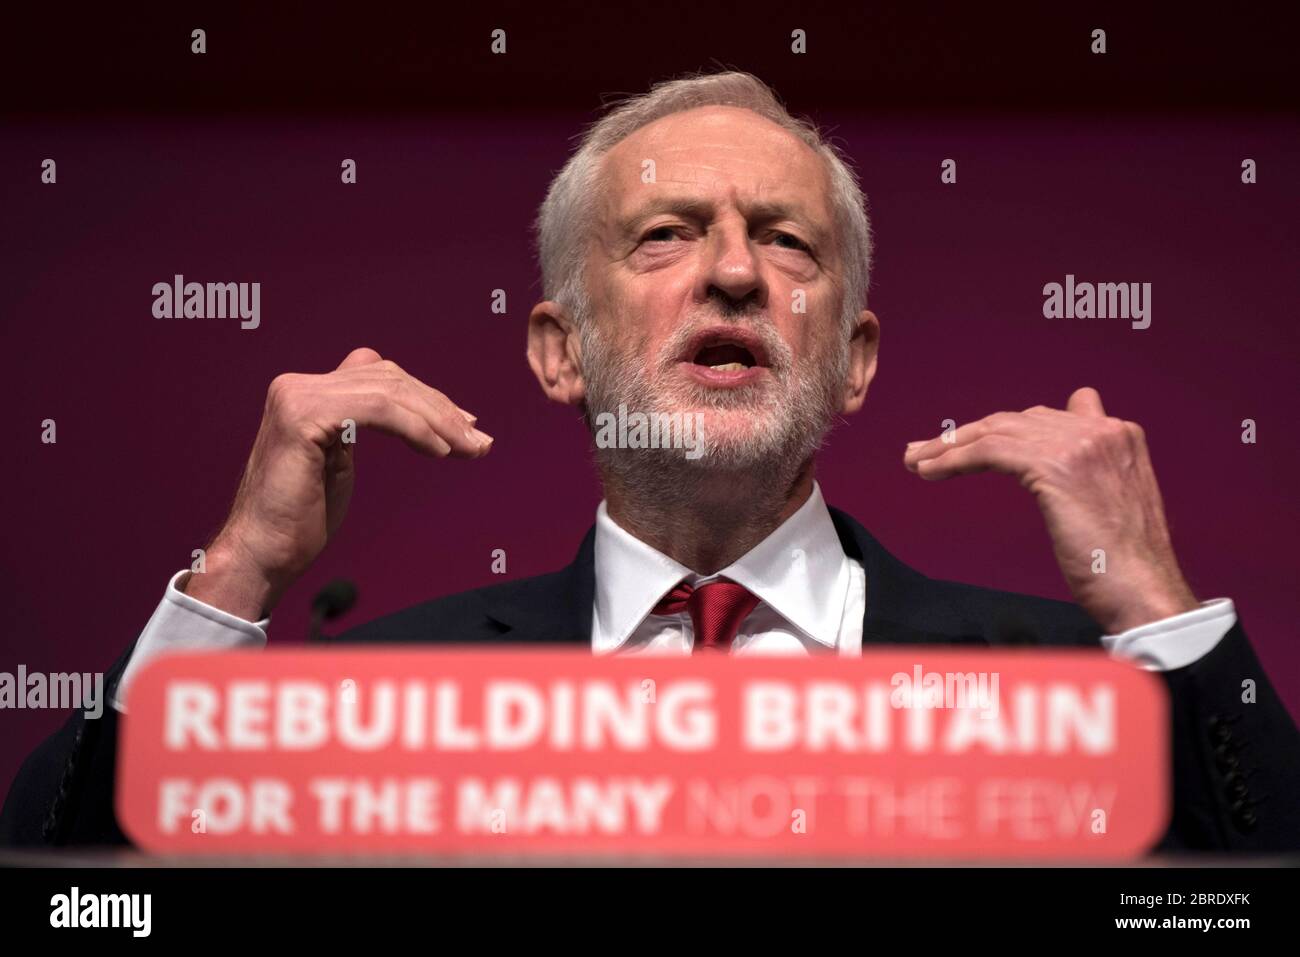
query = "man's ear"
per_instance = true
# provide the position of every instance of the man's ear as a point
(555, 353)
(863, 347)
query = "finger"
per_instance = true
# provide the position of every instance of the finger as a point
(377, 410)
(1008, 423)
(449, 420)
(435, 395)
(360, 357)
(439, 412)
(1086, 401)
(992, 453)
(386, 367)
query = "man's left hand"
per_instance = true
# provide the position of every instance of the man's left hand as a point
(1093, 480)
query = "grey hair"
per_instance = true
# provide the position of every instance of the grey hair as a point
(567, 214)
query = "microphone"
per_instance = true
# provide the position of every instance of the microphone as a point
(330, 602)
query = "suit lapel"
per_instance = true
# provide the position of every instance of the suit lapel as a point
(551, 609)
(903, 606)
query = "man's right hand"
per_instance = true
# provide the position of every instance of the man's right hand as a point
(298, 481)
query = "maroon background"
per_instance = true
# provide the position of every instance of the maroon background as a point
(1126, 175)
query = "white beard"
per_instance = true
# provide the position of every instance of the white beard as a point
(756, 436)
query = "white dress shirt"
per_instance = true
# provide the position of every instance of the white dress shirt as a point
(811, 595)
(812, 600)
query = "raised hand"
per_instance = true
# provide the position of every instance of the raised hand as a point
(300, 473)
(1093, 480)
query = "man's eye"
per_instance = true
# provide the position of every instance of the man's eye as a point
(661, 234)
(790, 242)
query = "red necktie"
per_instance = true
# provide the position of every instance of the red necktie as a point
(716, 610)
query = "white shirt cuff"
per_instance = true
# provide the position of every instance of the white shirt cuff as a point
(1175, 642)
(182, 623)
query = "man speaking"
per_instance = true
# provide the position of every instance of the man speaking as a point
(705, 260)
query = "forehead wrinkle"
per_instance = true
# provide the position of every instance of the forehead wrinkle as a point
(662, 138)
(754, 208)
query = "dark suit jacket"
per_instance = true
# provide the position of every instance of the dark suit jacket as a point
(1236, 766)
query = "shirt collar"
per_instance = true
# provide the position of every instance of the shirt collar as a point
(800, 570)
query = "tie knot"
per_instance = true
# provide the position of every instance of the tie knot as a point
(716, 609)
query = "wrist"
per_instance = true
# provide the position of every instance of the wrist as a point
(231, 583)
(1150, 605)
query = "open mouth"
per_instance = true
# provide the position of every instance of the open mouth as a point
(726, 357)
(726, 350)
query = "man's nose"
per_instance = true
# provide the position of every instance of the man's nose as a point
(731, 268)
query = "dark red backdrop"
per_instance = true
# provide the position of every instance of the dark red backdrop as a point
(155, 417)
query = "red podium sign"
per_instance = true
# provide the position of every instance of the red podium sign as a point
(901, 753)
